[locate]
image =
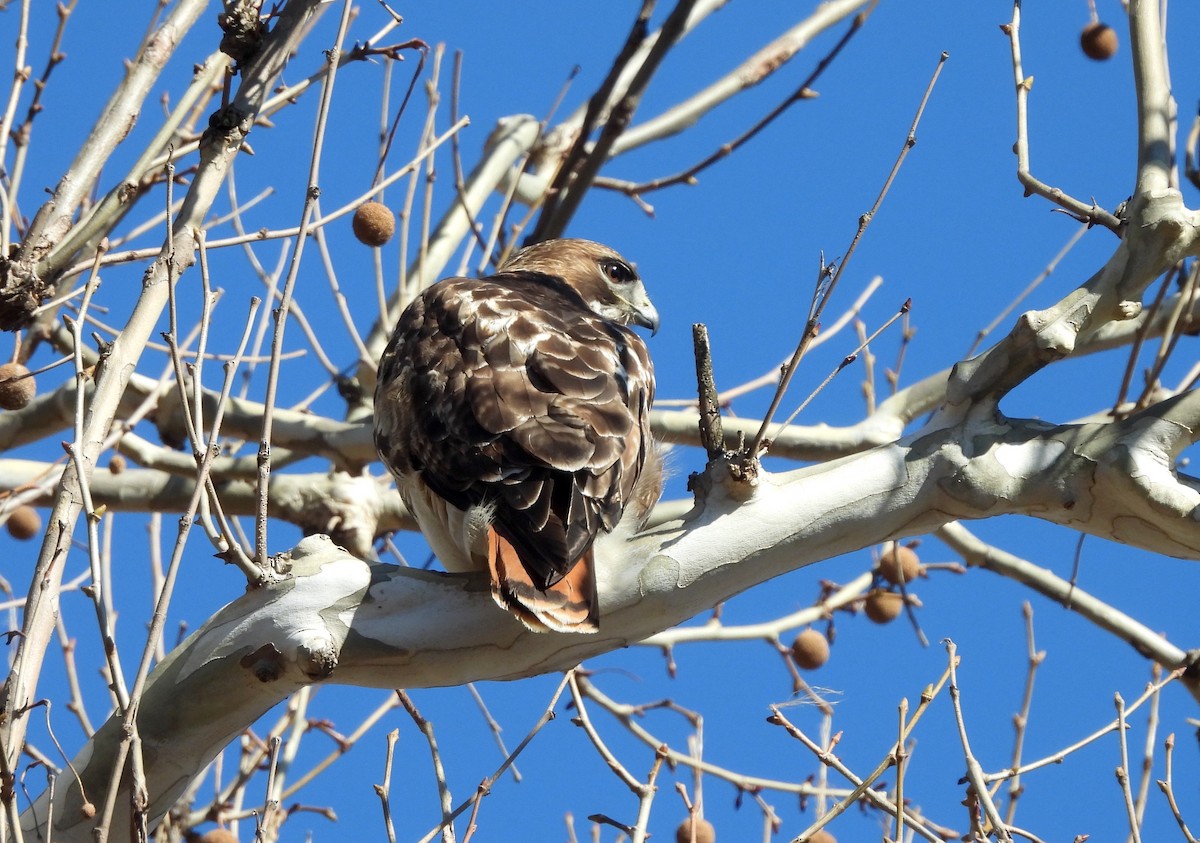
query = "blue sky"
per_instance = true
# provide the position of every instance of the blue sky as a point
(738, 251)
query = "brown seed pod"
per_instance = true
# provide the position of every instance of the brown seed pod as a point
(883, 606)
(704, 831)
(24, 523)
(822, 836)
(373, 224)
(899, 564)
(810, 650)
(218, 835)
(15, 394)
(117, 464)
(1099, 41)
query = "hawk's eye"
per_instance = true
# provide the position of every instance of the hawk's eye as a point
(618, 272)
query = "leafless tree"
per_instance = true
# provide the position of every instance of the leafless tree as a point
(203, 443)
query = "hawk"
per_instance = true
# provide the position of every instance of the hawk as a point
(514, 412)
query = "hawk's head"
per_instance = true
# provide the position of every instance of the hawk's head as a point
(606, 281)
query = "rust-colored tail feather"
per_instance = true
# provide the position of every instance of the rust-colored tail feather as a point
(570, 605)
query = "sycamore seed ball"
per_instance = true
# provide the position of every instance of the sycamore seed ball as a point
(883, 606)
(1099, 41)
(15, 394)
(117, 464)
(822, 836)
(810, 650)
(899, 563)
(24, 523)
(703, 832)
(373, 224)
(218, 835)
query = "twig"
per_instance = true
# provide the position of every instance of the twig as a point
(1168, 789)
(493, 726)
(1178, 323)
(862, 786)
(846, 361)
(1146, 641)
(901, 754)
(139, 798)
(803, 92)
(473, 820)
(771, 377)
(838, 597)
(627, 716)
(76, 706)
(310, 197)
(20, 77)
(1089, 213)
(37, 626)
(103, 216)
(1139, 338)
(107, 132)
(1057, 757)
(460, 182)
(1021, 720)
(386, 138)
(232, 550)
(384, 790)
(646, 796)
(868, 358)
(343, 746)
(133, 255)
(585, 722)
(298, 727)
(339, 297)
(434, 96)
(1191, 166)
(439, 772)
(272, 815)
(99, 586)
(1123, 771)
(483, 790)
(828, 277)
(1148, 752)
(711, 435)
(568, 170)
(978, 788)
(192, 425)
(1002, 316)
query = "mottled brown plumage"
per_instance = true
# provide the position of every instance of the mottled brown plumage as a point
(514, 412)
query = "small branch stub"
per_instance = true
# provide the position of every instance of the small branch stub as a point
(712, 435)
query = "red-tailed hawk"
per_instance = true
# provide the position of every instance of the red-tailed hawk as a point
(514, 411)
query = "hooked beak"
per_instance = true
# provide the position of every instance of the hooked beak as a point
(644, 311)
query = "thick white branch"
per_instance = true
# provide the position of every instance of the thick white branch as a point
(334, 618)
(749, 73)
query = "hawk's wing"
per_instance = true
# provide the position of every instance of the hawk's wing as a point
(514, 395)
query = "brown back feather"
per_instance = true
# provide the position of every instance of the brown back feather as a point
(509, 391)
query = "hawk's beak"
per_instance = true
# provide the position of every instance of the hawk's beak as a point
(644, 311)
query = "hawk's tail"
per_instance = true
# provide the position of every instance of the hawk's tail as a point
(570, 605)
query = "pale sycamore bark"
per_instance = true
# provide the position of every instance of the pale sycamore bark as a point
(329, 617)
(334, 618)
